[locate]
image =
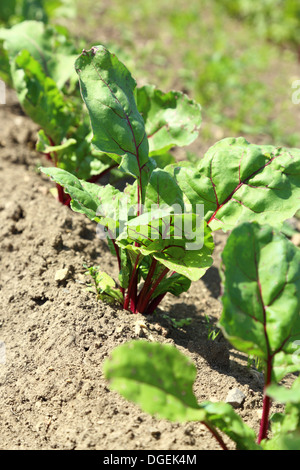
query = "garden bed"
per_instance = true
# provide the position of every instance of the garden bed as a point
(56, 334)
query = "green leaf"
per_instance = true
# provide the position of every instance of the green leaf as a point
(76, 157)
(175, 284)
(163, 159)
(52, 48)
(41, 99)
(223, 416)
(102, 204)
(285, 395)
(178, 242)
(5, 74)
(82, 162)
(156, 377)
(43, 144)
(290, 441)
(160, 379)
(238, 181)
(126, 268)
(171, 119)
(261, 304)
(285, 426)
(162, 190)
(107, 90)
(106, 287)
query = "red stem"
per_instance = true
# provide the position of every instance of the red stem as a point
(132, 282)
(154, 304)
(264, 424)
(60, 193)
(216, 435)
(146, 300)
(133, 298)
(64, 198)
(156, 301)
(147, 284)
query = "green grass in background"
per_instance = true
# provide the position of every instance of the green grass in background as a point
(214, 51)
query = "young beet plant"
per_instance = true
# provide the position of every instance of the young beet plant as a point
(160, 227)
(141, 222)
(42, 73)
(37, 61)
(261, 317)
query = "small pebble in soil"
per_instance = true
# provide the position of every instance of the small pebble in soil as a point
(140, 328)
(62, 275)
(235, 398)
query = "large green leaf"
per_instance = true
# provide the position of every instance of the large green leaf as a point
(170, 118)
(238, 181)
(261, 300)
(49, 45)
(160, 379)
(107, 89)
(41, 99)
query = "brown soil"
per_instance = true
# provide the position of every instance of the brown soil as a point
(52, 391)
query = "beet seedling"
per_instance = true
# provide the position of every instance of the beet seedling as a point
(261, 316)
(261, 301)
(146, 246)
(37, 60)
(160, 227)
(160, 380)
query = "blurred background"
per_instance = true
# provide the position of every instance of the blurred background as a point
(237, 58)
